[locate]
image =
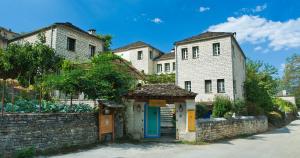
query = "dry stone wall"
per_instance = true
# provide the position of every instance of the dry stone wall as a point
(215, 129)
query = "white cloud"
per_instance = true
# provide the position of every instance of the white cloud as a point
(258, 48)
(258, 8)
(156, 20)
(203, 9)
(256, 30)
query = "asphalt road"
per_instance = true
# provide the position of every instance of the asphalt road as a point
(279, 143)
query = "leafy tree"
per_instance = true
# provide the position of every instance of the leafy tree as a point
(107, 41)
(291, 78)
(162, 78)
(261, 84)
(221, 106)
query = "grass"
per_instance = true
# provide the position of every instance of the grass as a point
(25, 153)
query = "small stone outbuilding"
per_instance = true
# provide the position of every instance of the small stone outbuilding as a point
(143, 111)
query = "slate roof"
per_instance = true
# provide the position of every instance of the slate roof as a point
(160, 90)
(204, 36)
(134, 45)
(67, 24)
(166, 56)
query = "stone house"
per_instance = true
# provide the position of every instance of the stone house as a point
(5, 35)
(67, 40)
(210, 64)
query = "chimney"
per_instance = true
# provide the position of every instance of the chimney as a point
(92, 31)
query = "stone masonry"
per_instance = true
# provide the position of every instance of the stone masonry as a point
(215, 129)
(46, 131)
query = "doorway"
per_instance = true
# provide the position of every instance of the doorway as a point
(152, 121)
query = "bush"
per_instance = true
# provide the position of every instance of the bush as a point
(254, 110)
(228, 115)
(276, 118)
(32, 106)
(201, 111)
(284, 106)
(221, 105)
(240, 107)
(25, 153)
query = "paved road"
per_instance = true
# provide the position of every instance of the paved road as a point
(280, 143)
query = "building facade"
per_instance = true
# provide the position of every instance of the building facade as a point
(67, 40)
(211, 64)
(5, 35)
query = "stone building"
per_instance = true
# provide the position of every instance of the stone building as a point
(5, 35)
(68, 41)
(210, 64)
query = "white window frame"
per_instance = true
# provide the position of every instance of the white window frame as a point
(184, 53)
(216, 49)
(92, 51)
(220, 85)
(188, 85)
(140, 55)
(167, 67)
(174, 66)
(195, 51)
(209, 89)
(159, 68)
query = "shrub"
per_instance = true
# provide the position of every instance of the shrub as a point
(221, 105)
(240, 107)
(284, 106)
(253, 109)
(228, 115)
(275, 118)
(201, 110)
(25, 153)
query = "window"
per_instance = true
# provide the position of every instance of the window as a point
(92, 50)
(151, 54)
(174, 66)
(234, 86)
(159, 68)
(140, 55)
(167, 67)
(184, 53)
(188, 85)
(221, 85)
(216, 49)
(195, 52)
(71, 42)
(208, 85)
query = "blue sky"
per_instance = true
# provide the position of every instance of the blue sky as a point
(267, 30)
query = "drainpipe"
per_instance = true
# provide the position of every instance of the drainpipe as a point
(176, 66)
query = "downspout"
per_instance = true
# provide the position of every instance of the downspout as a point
(176, 66)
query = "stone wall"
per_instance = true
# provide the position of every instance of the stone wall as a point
(215, 129)
(47, 131)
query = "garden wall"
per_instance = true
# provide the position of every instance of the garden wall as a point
(215, 129)
(47, 131)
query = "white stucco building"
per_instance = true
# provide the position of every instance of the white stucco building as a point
(68, 41)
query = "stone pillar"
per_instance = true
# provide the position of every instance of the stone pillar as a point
(129, 116)
(180, 119)
(138, 120)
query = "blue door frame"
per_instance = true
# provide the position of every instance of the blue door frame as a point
(146, 135)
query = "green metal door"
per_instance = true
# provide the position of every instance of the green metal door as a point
(152, 122)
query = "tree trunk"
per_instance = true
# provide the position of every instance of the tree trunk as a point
(3, 96)
(71, 103)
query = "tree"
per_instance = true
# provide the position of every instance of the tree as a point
(291, 78)
(162, 78)
(107, 41)
(261, 84)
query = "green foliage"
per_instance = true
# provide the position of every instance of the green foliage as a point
(201, 110)
(240, 107)
(254, 110)
(162, 78)
(28, 62)
(275, 118)
(291, 78)
(221, 105)
(32, 106)
(25, 153)
(284, 106)
(261, 84)
(107, 41)
(228, 115)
